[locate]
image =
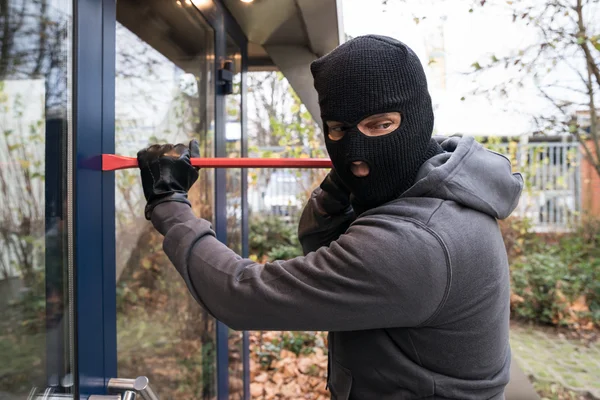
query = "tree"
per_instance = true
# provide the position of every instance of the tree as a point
(280, 125)
(279, 119)
(569, 41)
(563, 64)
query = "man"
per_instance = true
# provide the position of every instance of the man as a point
(405, 265)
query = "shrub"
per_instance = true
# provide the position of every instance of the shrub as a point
(535, 280)
(271, 345)
(273, 237)
(284, 252)
(557, 282)
(518, 236)
(299, 342)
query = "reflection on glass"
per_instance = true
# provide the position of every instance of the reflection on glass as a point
(233, 135)
(35, 303)
(164, 93)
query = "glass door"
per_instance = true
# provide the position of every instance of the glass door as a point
(37, 354)
(164, 93)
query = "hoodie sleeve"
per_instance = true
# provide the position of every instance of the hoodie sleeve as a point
(323, 220)
(381, 273)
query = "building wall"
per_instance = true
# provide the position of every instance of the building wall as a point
(590, 186)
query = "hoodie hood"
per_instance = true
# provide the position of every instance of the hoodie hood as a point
(470, 175)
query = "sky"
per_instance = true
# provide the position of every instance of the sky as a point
(464, 38)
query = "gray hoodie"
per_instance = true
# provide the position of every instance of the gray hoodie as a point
(414, 293)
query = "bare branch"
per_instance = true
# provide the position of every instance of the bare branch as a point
(593, 119)
(591, 64)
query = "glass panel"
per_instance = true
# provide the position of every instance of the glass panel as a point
(36, 341)
(279, 125)
(164, 93)
(233, 134)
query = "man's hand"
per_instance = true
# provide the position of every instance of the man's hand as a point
(334, 196)
(167, 173)
(333, 185)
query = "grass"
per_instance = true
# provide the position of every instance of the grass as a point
(23, 357)
(554, 391)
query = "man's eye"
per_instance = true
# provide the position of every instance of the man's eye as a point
(383, 126)
(336, 132)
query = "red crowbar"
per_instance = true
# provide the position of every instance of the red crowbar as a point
(111, 162)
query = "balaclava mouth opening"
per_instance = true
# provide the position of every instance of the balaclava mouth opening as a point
(372, 75)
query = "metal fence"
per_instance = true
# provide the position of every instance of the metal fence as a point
(281, 192)
(551, 200)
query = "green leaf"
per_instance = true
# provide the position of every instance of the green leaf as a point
(476, 65)
(462, 98)
(580, 40)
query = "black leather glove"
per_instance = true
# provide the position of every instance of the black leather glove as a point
(167, 173)
(333, 185)
(334, 196)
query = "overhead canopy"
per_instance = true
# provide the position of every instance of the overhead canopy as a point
(284, 35)
(287, 35)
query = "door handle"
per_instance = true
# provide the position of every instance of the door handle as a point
(119, 389)
(131, 389)
(128, 395)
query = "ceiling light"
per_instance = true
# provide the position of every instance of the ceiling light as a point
(201, 3)
(246, 1)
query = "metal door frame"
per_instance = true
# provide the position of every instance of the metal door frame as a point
(94, 195)
(224, 24)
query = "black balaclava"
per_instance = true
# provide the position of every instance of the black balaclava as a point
(372, 75)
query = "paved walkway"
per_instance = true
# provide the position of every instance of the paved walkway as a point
(553, 358)
(519, 387)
